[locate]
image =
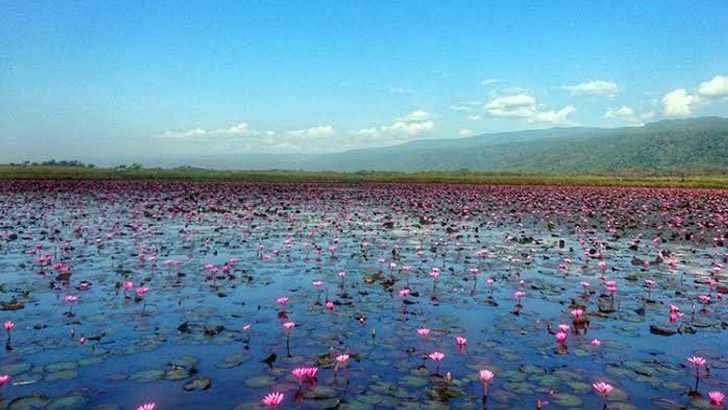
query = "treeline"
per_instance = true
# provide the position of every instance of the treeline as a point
(74, 164)
(53, 163)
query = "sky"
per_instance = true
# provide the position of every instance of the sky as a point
(131, 80)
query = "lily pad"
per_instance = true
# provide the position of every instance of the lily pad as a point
(228, 362)
(200, 383)
(29, 402)
(566, 400)
(71, 402)
(61, 375)
(259, 381)
(146, 376)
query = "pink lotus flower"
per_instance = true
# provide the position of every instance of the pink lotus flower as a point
(289, 325)
(142, 291)
(485, 376)
(716, 398)
(299, 373)
(561, 337)
(437, 356)
(404, 292)
(282, 300)
(596, 342)
(602, 388)
(147, 406)
(128, 284)
(461, 342)
(71, 298)
(342, 359)
(273, 399)
(329, 305)
(577, 313)
(564, 327)
(4, 379)
(317, 284)
(697, 361)
(8, 325)
(519, 294)
(423, 332)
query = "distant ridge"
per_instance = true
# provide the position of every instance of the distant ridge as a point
(699, 145)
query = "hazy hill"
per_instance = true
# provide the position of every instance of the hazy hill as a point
(676, 145)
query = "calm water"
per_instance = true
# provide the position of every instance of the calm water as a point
(187, 332)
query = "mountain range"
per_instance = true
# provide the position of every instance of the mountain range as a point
(697, 145)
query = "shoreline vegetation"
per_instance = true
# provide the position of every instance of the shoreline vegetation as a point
(80, 171)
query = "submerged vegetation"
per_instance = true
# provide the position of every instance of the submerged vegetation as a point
(138, 172)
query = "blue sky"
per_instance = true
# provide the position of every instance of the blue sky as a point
(130, 79)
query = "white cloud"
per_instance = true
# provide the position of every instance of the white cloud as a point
(321, 138)
(678, 103)
(524, 106)
(200, 134)
(553, 117)
(514, 106)
(410, 125)
(415, 125)
(598, 87)
(648, 115)
(621, 112)
(366, 132)
(399, 91)
(717, 87)
(475, 117)
(322, 131)
(193, 133)
(490, 81)
(415, 116)
(628, 114)
(241, 128)
(465, 132)
(461, 108)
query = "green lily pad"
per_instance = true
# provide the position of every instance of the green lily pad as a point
(60, 366)
(228, 362)
(29, 402)
(579, 387)
(369, 398)
(413, 381)
(90, 361)
(146, 376)
(566, 400)
(177, 373)
(321, 393)
(183, 361)
(61, 375)
(15, 368)
(71, 402)
(200, 383)
(259, 381)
